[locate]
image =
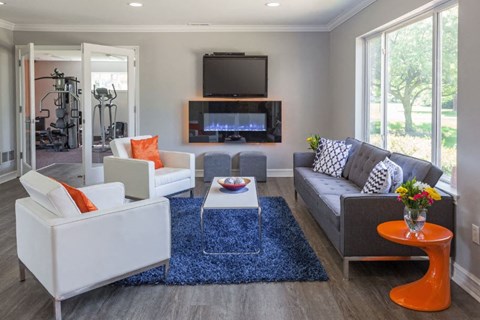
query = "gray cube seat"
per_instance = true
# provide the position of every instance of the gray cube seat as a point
(216, 164)
(350, 218)
(253, 164)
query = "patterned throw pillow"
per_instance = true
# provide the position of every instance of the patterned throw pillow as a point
(396, 172)
(379, 180)
(333, 158)
(318, 153)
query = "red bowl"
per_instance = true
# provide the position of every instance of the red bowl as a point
(233, 187)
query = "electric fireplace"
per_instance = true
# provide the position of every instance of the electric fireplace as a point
(235, 121)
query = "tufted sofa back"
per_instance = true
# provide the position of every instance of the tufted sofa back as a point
(363, 157)
(363, 162)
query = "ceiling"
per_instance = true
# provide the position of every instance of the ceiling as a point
(41, 15)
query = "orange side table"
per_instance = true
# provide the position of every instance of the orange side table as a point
(432, 291)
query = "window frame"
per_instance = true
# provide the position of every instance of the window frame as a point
(434, 12)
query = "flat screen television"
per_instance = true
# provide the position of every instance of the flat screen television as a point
(235, 76)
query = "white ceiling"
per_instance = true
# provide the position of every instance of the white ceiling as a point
(33, 14)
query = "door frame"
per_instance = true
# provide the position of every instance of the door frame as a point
(18, 130)
(94, 173)
(20, 108)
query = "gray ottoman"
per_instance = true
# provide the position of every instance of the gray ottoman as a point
(216, 164)
(253, 164)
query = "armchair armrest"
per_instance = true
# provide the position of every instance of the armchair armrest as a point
(70, 254)
(136, 175)
(182, 160)
(175, 159)
(361, 214)
(303, 159)
(107, 195)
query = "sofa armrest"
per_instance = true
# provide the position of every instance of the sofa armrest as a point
(362, 213)
(303, 159)
(106, 195)
(136, 175)
(70, 254)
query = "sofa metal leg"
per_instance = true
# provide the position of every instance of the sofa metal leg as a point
(191, 193)
(58, 309)
(296, 195)
(167, 269)
(21, 269)
(346, 268)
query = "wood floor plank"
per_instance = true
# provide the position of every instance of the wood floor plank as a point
(365, 296)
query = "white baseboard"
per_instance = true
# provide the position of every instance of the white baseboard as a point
(277, 173)
(466, 281)
(8, 176)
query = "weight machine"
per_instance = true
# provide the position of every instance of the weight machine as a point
(65, 132)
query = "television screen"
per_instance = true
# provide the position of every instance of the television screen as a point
(235, 76)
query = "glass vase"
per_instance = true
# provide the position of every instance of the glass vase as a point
(415, 218)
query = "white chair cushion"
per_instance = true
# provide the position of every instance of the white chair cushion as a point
(49, 194)
(168, 175)
(122, 148)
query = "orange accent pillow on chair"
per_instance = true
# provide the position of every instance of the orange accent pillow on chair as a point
(147, 149)
(83, 203)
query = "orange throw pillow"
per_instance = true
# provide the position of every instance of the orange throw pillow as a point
(147, 149)
(83, 203)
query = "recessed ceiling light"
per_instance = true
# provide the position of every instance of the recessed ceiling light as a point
(2, 3)
(272, 4)
(135, 4)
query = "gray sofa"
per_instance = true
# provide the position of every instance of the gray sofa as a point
(350, 218)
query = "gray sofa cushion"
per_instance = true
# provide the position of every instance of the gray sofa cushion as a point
(356, 144)
(307, 172)
(337, 186)
(364, 160)
(412, 167)
(333, 202)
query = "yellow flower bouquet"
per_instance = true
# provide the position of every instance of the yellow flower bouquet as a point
(313, 140)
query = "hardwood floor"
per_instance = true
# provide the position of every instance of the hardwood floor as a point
(364, 296)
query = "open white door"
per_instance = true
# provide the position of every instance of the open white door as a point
(106, 66)
(26, 96)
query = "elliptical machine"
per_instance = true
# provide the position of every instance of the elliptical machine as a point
(105, 98)
(64, 134)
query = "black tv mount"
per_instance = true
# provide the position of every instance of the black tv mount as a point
(228, 54)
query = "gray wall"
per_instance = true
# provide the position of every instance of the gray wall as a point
(7, 98)
(342, 74)
(171, 70)
(468, 210)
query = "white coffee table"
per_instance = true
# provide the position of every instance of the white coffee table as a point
(219, 198)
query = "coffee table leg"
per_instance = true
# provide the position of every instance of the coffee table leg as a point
(432, 291)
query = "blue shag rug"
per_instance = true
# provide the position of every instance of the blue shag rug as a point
(285, 255)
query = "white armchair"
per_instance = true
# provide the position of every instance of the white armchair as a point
(140, 178)
(71, 253)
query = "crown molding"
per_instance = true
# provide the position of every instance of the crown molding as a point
(346, 15)
(335, 22)
(169, 28)
(7, 25)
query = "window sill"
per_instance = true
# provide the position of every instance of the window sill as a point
(447, 187)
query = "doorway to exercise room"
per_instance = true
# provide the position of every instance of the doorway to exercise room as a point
(77, 99)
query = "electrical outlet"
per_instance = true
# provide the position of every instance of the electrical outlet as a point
(475, 234)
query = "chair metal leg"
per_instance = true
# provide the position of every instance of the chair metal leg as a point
(58, 309)
(346, 268)
(191, 193)
(296, 195)
(21, 269)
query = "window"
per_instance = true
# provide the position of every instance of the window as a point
(106, 79)
(411, 87)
